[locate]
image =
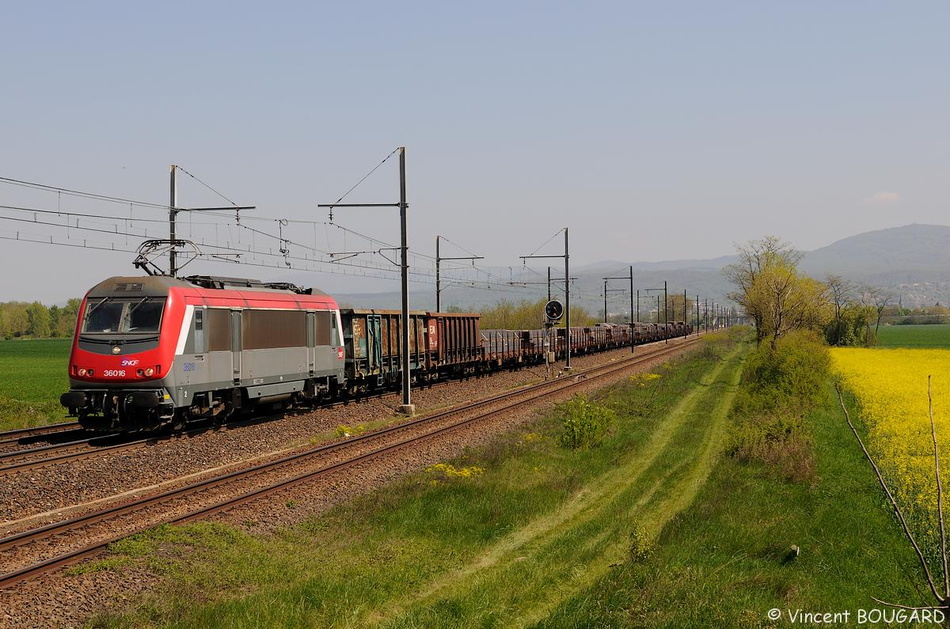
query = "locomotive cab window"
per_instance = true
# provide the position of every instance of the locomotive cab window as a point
(123, 316)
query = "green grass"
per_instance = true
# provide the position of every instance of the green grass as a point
(508, 545)
(33, 374)
(726, 561)
(914, 336)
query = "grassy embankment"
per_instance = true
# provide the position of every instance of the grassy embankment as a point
(793, 478)
(683, 516)
(32, 377)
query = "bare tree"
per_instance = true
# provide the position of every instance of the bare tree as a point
(839, 293)
(878, 298)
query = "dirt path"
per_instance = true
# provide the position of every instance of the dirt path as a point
(565, 552)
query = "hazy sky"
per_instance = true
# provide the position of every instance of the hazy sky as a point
(653, 130)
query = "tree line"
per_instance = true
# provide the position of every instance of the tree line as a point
(34, 320)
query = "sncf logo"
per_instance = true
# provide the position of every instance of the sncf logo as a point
(129, 362)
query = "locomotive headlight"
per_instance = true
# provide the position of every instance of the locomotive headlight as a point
(149, 372)
(140, 373)
(81, 371)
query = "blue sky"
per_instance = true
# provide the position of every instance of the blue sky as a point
(653, 131)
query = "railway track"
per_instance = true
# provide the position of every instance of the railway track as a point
(63, 450)
(11, 439)
(23, 460)
(37, 552)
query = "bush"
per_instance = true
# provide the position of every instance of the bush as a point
(585, 424)
(779, 441)
(779, 385)
(790, 376)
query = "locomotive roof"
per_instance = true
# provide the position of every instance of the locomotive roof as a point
(156, 285)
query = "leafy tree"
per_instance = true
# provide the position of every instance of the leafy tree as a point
(854, 311)
(15, 321)
(852, 327)
(39, 320)
(771, 291)
(807, 306)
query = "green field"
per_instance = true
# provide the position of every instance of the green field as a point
(32, 377)
(914, 336)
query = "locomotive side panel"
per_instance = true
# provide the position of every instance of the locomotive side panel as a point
(327, 343)
(274, 346)
(203, 361)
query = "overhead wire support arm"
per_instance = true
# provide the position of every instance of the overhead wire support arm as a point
(173, 211)
(172, 236)
(213, 209)
(403, 206)
(438, 264)
(333, 205)
(343, 255)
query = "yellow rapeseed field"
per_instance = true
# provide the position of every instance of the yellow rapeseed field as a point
(891, 387)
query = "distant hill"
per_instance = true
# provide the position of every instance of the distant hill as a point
(912, 261)
(902, 253)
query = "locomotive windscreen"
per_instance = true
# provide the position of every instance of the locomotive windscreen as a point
(110, 315)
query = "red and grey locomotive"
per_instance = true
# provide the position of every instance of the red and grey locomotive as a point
(158, 351)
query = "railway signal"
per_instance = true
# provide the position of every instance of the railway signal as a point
(567, 294)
